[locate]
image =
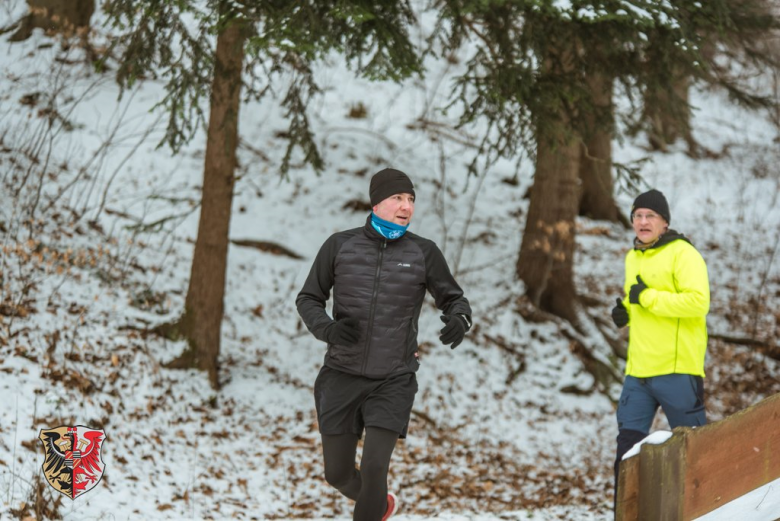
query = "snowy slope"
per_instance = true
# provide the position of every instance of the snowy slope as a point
(492, 436)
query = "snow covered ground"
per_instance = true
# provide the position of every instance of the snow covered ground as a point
(492, 435)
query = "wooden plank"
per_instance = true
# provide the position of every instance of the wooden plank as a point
(627, 504)
(662, 474)
(729, 458)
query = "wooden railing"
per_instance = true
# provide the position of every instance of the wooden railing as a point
(699, 470)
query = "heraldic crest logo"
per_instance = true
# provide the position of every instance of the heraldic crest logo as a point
(72, 464)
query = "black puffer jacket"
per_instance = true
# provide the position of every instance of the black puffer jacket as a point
(381, 283)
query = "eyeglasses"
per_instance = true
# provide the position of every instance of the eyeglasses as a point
(650, 216)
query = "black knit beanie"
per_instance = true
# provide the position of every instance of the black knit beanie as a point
(652, 200)
(389, 182)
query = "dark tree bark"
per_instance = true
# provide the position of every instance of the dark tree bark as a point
(546, 256)
(668, 114)
(546, 259)
(597, 197)
(68, 17)
(202, 319)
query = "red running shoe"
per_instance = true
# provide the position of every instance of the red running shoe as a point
(392, 506)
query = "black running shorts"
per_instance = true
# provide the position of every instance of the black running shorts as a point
(348, 403)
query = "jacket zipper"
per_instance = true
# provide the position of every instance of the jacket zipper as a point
(676, 345)
(372, 309)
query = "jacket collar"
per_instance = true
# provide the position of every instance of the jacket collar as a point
(664, 239)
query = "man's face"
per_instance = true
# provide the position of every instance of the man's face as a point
(397, 209)
(648, 225)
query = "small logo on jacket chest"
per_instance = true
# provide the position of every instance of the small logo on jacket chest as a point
(404, 264)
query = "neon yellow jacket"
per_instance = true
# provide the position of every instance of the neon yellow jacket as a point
(668, 331)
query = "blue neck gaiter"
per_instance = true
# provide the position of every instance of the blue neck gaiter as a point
(387, 229)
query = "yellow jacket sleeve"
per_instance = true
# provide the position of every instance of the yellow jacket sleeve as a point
(692, 298)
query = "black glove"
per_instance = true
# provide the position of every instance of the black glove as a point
(454, 330)
(636, 289)
(619, 314)
(345, 331)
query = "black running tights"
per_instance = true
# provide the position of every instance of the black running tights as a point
(367, 486)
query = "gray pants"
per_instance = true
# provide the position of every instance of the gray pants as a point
(681, 396)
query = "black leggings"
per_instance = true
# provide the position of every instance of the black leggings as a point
(367, 486)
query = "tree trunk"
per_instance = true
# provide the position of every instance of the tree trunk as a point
(668, 114)
(202, 319)
(597, 196)
(545, 263)
(666, 107)
(68, 17)
(546, 256)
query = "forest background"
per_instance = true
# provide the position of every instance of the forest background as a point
(170, 169)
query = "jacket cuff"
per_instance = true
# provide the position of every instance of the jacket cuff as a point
(647, 297)
(321, 333)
